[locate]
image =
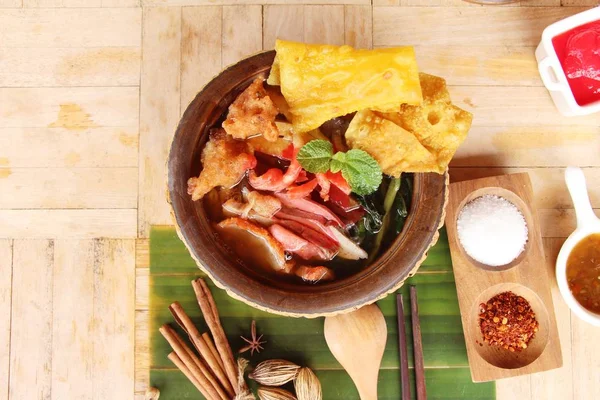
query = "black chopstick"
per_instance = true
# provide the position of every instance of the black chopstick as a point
(417, 346)
(402, 348)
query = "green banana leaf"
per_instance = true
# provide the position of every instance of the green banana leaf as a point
(301, 340)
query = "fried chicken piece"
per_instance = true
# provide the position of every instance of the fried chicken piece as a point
(252, 113)
(224, 163)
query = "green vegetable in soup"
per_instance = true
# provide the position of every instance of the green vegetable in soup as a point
(388, 202)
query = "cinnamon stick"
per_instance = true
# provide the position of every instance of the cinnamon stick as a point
(194, 364)
(186, 371)
(203, 349)
(211, 345)
(211, 315)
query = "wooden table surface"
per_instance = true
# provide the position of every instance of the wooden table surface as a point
(90, 95)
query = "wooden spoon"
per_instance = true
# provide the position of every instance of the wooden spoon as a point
(357, 341)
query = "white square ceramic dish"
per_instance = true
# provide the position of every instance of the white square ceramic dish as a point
(551, 71)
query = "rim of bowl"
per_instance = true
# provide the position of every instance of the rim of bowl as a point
(344, 295)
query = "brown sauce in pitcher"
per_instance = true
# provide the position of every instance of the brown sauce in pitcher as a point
(583, 272)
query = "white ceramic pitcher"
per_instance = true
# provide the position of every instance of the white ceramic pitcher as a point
(587, 224)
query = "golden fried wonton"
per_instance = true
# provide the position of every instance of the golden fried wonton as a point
(438, 124)
(321, 82)
(273, 78)
(252, 113)
(395, 149)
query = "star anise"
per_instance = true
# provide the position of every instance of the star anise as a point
(255, 343)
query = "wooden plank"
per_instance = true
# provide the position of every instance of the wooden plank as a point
(242, 33)
(437, 3)
(324, 24)
(61, 3)
(96, 27)
(481, 65)
(61, 147)
(142, 351)
(386, 2)
(71, 108)
(246, 2)
(6, 266)
(514, 388)
(142, 318)
(31, 330)
(142, 289)
(29, 188)
(499, 26)
(68, 223)
(11, 3)
(514, 106)
(541, 3)
(530, 146)
(120, 3)
(558, 223)
(114, 319)
(282, 22)
(549, 188)
(578, 3)
(544, 386)
(98, 66)
(358, 26)
(159, 110)
(200, 49)
(586, 364)
(142, 253)
(73, 320)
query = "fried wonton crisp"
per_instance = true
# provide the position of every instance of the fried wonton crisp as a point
(321, 82)
(437, 123)
(395, 149)
(252, 113)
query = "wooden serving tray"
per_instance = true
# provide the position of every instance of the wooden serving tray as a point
(526, 276)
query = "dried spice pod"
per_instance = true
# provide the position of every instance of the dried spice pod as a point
(307, 385)
(271, 393)
(274, 372)
(152, 393)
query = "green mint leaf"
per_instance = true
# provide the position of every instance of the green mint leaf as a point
(337, 162)
(361, 171)
(315, 156)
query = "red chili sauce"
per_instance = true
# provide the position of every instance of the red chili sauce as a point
(579, 53)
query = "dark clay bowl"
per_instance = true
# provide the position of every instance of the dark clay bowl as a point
(384, 276)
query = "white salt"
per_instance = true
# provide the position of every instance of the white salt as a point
(492, 230)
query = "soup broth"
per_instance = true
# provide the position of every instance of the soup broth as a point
(583, 272)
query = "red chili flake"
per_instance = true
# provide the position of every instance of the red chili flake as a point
(508, 321)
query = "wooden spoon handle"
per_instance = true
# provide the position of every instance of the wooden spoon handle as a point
(368, 391)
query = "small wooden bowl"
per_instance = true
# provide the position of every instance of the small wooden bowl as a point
(368, 285)
(526, 276)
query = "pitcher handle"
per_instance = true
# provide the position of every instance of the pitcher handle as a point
(579, 194)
